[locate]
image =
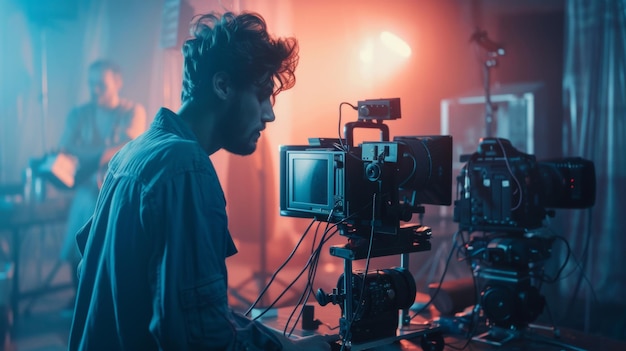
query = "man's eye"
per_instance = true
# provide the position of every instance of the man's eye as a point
(264, 95)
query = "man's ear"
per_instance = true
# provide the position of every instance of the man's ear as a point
(222, 85)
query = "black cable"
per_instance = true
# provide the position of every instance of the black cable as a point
(583, 264)
(312, 268)
(583, 275)
(414, 168)
(343, 147)
(475, 311)
(557, 276)
(586, 278)
(443, 275)
(508, 167)
(311, 265)
(301, 272)
(277, 271)
(302, 300)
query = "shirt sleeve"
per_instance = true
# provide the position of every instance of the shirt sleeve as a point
(69, 132)
(190, 302)
(137, 123)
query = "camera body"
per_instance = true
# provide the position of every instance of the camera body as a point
(503, 189)
(378, 183)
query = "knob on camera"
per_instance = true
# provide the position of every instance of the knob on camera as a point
(373, 172)
(324, 299)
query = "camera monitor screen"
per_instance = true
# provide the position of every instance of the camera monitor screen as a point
(309, 177)
(309, 180)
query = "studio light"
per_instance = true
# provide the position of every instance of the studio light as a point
(395, 44)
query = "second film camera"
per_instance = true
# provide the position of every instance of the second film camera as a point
(506, 194)
(503, 189)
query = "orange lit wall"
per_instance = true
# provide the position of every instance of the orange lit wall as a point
(333, 36)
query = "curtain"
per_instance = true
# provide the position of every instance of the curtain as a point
(43, 61)
(18, 82)
(595, 102)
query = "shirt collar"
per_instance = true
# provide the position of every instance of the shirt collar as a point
(168, 120)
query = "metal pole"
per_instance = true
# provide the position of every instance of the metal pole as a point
(44, 88)
(491, 62)
(405, 319)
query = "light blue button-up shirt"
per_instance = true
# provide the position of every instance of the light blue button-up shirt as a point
(153, 274)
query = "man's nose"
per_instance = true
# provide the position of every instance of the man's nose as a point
(268, 114)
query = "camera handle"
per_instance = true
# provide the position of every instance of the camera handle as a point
(350, 126)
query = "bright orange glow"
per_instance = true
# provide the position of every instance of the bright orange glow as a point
(385, 49)
(330, 267)
(382, 56)
(367, 52)
(395, 44)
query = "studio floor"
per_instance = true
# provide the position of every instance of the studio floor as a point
(46, 324)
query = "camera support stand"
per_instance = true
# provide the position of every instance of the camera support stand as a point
(493, 50)
(510, 300)
(490, 62)
(411, 238)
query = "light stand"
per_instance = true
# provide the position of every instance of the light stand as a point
(489, 63)
(493, 51)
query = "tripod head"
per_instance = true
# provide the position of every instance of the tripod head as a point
(481, 38)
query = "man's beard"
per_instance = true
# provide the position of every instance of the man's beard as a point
(240, 147)
(233, 141)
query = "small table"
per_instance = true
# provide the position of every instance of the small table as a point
(18, 216)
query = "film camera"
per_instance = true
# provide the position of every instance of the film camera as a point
(506, 194)
(368, 191)
(503, 189)
(332, 180)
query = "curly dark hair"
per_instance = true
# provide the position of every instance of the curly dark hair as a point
(240, 46)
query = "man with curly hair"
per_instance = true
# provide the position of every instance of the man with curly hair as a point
(153, 274)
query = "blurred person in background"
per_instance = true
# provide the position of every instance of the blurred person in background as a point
(153, 274)
(93, 133)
